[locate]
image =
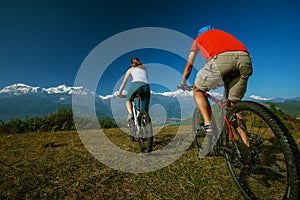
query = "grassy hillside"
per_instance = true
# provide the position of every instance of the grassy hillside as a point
(290, 107)
(58, 166)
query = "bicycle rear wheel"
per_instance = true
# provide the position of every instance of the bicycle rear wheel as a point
(145, 137)
(273, 172)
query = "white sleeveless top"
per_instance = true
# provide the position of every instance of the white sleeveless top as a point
(139, 74)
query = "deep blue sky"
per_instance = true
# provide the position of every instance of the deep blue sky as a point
(43, 43)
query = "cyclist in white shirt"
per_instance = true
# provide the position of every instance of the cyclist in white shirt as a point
(139, 84)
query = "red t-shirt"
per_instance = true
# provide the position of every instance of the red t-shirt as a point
(213, 42)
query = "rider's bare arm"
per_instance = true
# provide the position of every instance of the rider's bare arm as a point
(124, 81)
(188, 67)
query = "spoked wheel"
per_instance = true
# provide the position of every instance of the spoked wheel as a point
(269, 168)
(145, 137)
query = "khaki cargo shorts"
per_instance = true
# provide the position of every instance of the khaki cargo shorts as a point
(212, 74)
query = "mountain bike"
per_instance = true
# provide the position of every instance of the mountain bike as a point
(269, 166)
(140, 128)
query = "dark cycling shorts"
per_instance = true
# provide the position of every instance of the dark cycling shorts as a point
(144, 89)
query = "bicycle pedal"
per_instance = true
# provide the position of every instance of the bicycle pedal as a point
(227, 150)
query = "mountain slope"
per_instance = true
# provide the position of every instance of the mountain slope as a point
(26, 106)
(290, 107)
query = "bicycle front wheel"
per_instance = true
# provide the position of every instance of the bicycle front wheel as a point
(269, 167)
(145, 137)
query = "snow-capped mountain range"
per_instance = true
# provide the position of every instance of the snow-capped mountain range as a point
(23, 89)
(20, 100)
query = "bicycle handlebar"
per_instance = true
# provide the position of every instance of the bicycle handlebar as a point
(185, 87)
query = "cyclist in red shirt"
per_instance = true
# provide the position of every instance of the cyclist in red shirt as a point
(228, 60)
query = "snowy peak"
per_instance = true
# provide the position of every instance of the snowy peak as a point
(21, 89)
(260, 98)
(110, 96)
(63, 89)
(177, 93)
(58, 90)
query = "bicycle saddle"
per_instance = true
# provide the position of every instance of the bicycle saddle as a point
(139, 94)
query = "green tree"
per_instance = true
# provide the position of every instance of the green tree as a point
(61, 120)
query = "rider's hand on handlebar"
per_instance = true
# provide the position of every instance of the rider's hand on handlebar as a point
(185, 87)
(121, 95)
(181, 86)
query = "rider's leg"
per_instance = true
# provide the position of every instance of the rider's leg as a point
(237, 89)
(242, 131)
(209, 77)
(240, 127)
(132, 91)
(146, 97)
(203, 106)
(129, 107)
(129, 110)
